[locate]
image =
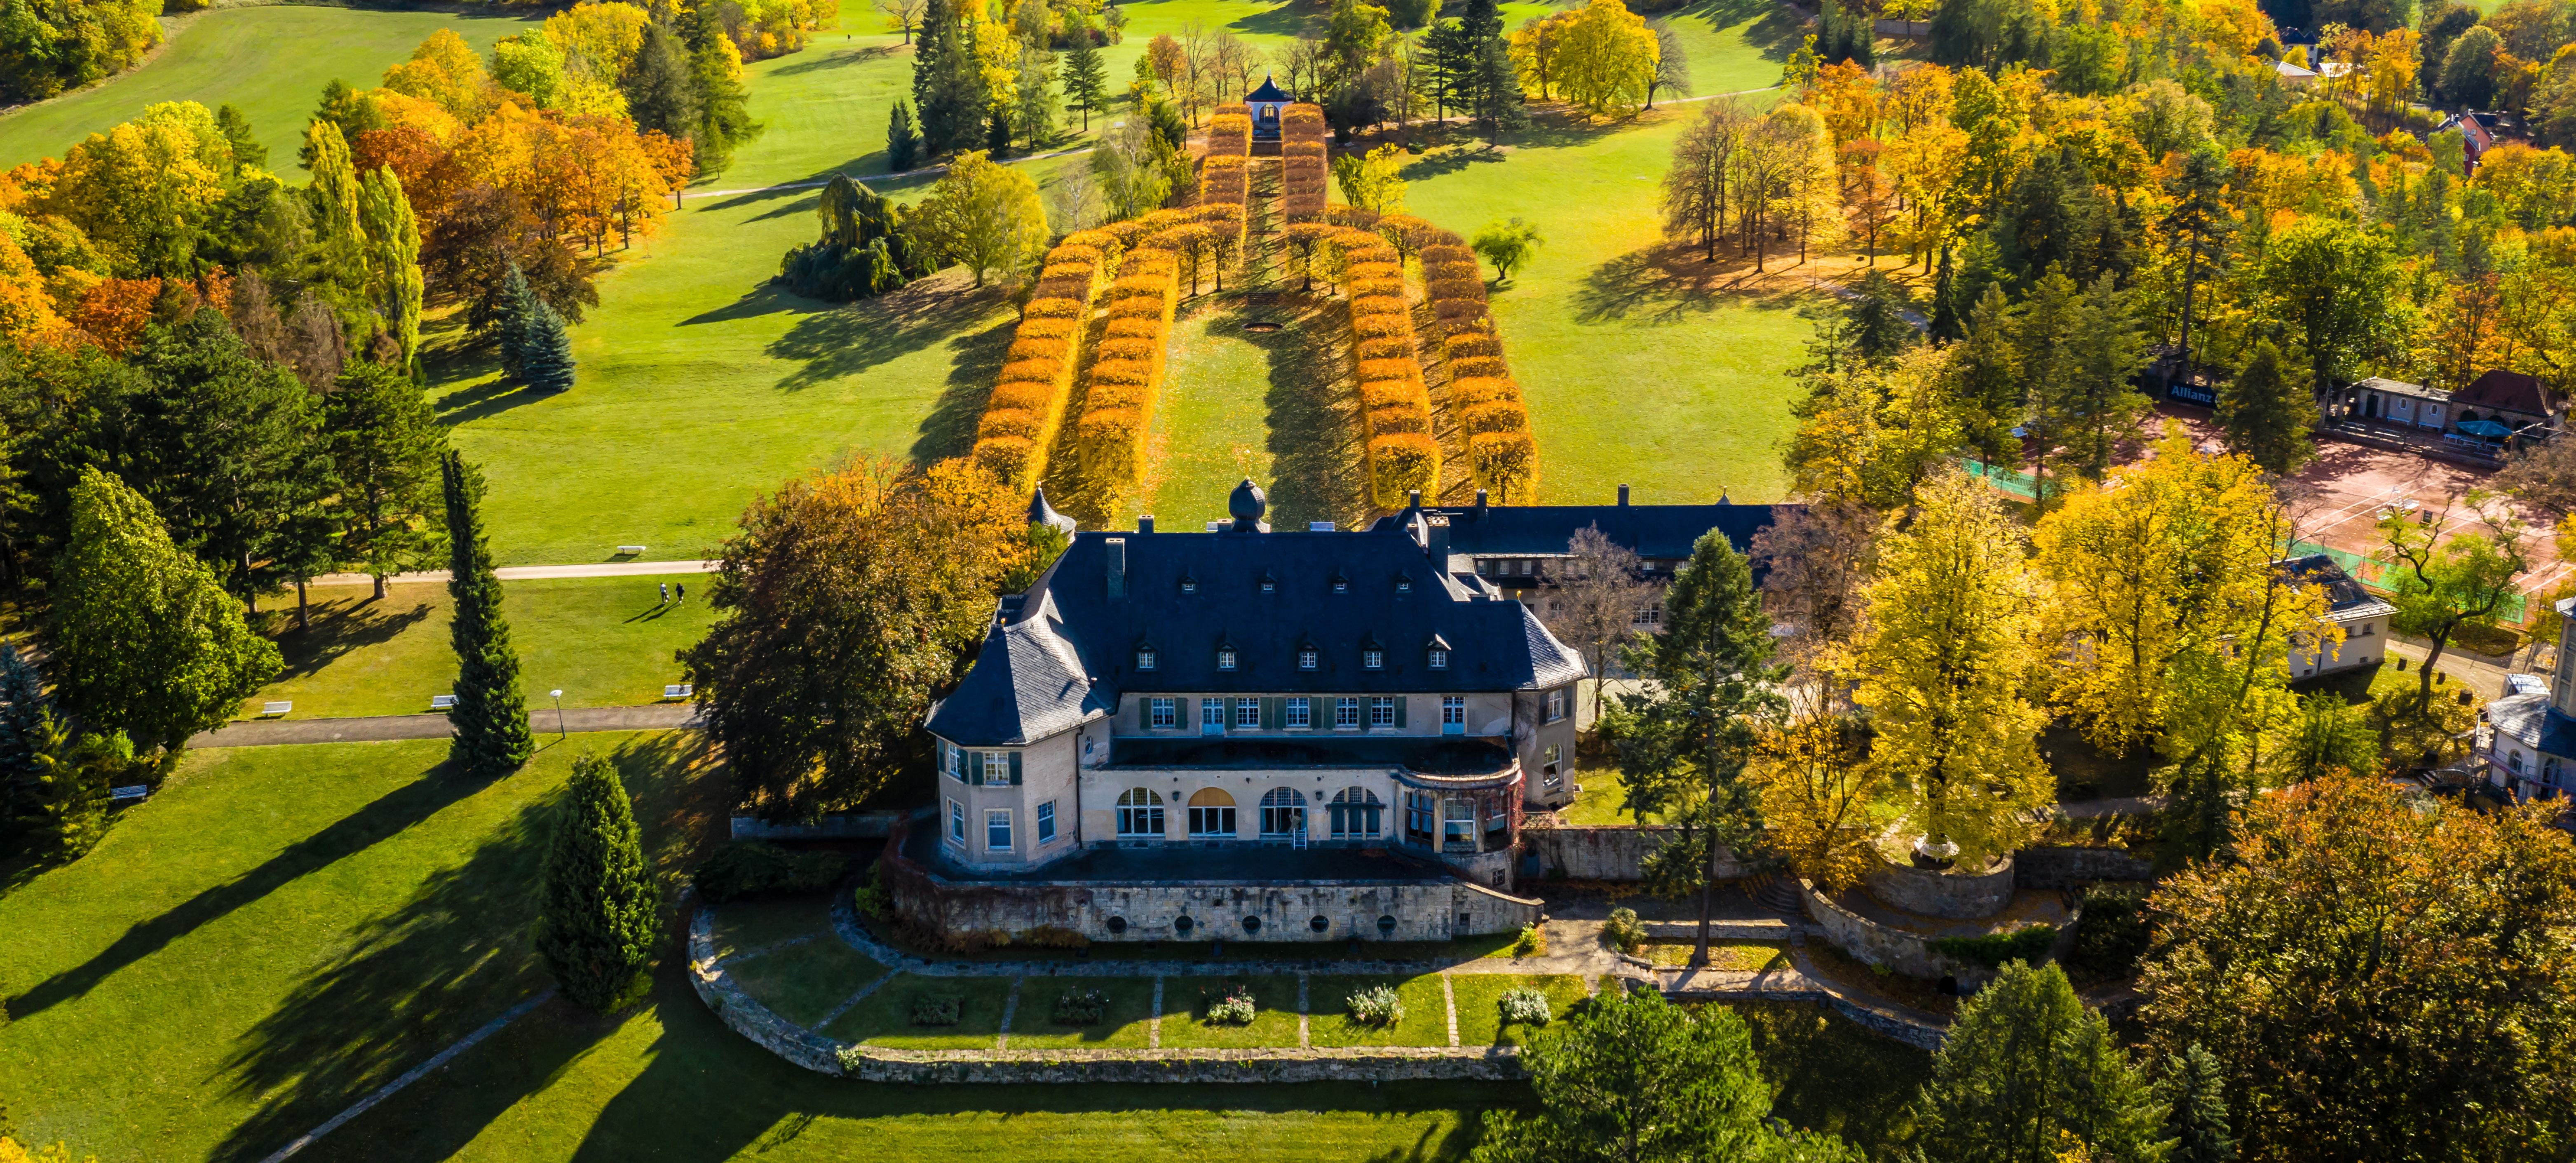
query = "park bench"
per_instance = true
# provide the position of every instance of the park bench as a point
(278, 708)
(679, 690)
(128, 795)
(442, 702)
(630, 550)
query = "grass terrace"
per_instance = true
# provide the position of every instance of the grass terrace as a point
(1480, 999)
(1425, 1021)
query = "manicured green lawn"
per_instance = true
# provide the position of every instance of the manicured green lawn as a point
(1750, 956)
(270, 61)
(1122, 1024)
(758, 922)
(1278, 407)
(1425, 1021)
(1273, 1024)
(604, 642)
(803, 983)
(1831, 1075)
(884, 1018)
(1480, 996)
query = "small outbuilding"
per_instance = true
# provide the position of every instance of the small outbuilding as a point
(1265, 104)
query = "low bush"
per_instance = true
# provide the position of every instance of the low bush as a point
(2029, 943)
(1381, 326)
(1498, 416)
(1031, 371)
(1399, 464)
(1385, 347)
(1376, 1005)
(1380, 371)
(1459, 312)
(1065, 329)
(1404, 418)
(1229, 1005)
(1052, 937)
(1081, 1007)
(1624, 931)
(1376, 287)
(937, 1009)
(1018, 396)
(2114, 932)
(1531, 943)
(1057, 309)
(1526, 1006)
(1001, 422)
(1470, 344)
(872, 899)
(753, 867)
(1470, 392)
(1391, 394)
(1047, 347)
(1478, 367)
(1504, 459)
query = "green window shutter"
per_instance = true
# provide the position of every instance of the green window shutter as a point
(1399, 711)
(1270, 714)
(1181, 713)
(1015, 769)
(1144, 713)
(975, 768)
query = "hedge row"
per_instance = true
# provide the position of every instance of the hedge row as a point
(1482, 399)
(1230, 135)
(1304, 171)
(1022, 416)
(1127, 373)
(1395, 407)
(1222, 180)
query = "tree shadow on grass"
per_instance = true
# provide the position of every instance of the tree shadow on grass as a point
(841, 58)
(488, 398)
(765, 299)
(1315, 454)
(1664, 285)
(845, 341)
(975, 361)
(391, 813)
(339, 627)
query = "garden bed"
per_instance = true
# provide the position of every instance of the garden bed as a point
(1425, 1022)
(885, 1018)
(1480, 995)
(1273, 1024)
(1127, 1005)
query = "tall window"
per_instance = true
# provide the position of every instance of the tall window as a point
(1453, 715)
(1046, 822)
(957, 821)
(1417, 818)
(1145, 658)
(1140, 813)
(1247, 713)
(1555, 705)
(1283, 812)
(1211, 814)
(952, 761)
(1346, 714)
(1301, 713)
(1164, 712)
(1354, 812)
(1381, 711)
(1458, 825)
(996, 768)
(1225, 659)
(997, 829)
(1439, 659)
(1306, 658)
(1551, 768)
(1211, 716)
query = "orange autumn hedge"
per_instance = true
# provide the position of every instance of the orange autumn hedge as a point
(1395, 409)
(1230, 135)
(1025, 411)
(1127, 373)
(1304, 171)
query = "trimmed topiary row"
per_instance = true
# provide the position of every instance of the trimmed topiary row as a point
(1395, 407)
(1126, 378)
(1304, 170)
(1027, 406)
(1482, 399)
(1230, 135)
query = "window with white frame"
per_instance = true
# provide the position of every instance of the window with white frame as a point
(1046, 822)
(1140, 813)
(2514, 761)
(1372, 660)
(1247, 713)
(1439, 659)
(1306, 658)
(1163, 712)
(1551, 768)
(1458, 824)
(1145, 658)
(1453, 715)
(1212, 814)
(1301, 712)
(1555, 705)
(1225, 659)
(1346, 714)
(1381, 711)
(1650, 616)
(996, 768)
(952, 761)
(997, 829)
(1211, 716)
(957, 821)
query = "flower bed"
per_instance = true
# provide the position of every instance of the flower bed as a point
(1027, 406)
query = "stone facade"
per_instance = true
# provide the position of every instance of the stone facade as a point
(1607, 852)
(1898, 950)
(1340, 1064)
(1946, 893)
(2070, 867)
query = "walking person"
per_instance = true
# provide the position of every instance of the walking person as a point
(666, 593)
(684, 592)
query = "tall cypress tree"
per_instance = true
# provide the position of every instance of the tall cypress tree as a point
(1086, 78)
(546, 362)
(597, 919)
(491, 713)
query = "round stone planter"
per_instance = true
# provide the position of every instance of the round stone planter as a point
(1950, 893)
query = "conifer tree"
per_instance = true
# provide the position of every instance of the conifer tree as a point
(948, 92)
(491, 712)
(67, 812)
(248, 153)
(1987, 382)
(25, 715)
(903, 144)
(597, 920)
(715, 72)
(2266, 411)
(518, 305)
(334, 194)
(1086, 78)
(2195, 1090)
(661, 90)
(545, 364)
(385, 442)
(2029, 1073)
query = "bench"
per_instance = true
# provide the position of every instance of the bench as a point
(442, 702)
(281, 708)
(630, 550)
(679, 690)
(128, 795)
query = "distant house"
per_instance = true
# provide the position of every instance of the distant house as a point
(2294, 76)
(1515, 548)
(1264, 105)
(2400, 403)
(2500, 404)
(2362, 616)
(2529, 744)
(2475, 139)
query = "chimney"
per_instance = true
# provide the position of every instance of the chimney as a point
(1116, 556)
(1438, 550)
(1480, 502)
(1623, 496)
(1413, 499)
(1145, 523)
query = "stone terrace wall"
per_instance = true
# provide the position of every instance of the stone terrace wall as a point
(1345, 1064)
(1604, 852)
(2068, 867)
(1958, 896)
(1900, 951)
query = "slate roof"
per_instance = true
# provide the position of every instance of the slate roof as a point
(1269, 91)
(2510, 391)
(2532, 720)
(2345, 598)
(1653, 531)
(1067, 651)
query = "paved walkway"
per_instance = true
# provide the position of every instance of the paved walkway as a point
(530, 572)
(375, 728)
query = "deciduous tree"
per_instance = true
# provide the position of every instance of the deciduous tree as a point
(1597, 597)
(983, 215)
(1506, 245)
(2444, 581)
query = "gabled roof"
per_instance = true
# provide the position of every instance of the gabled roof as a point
(2539, 726)
(1066, 653)
(2290, 71)
(2345, 598)
(2509, 391)
(1652, 531)
(1268, 91)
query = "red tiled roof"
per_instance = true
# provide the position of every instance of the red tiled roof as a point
(2507, 390)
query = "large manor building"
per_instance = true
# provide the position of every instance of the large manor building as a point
(1292, 713)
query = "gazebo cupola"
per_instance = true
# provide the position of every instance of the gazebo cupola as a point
(1264, 104)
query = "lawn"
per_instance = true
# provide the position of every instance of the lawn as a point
(604, 642)
(272, 62)
(1480, 998)
(1833, 1076)
(1748, 956)
(1277, 407)
(884, 1018)
(807, 981)
(1425, 1021)
(1122, 1024)
(759, 922)
(1273, 1024)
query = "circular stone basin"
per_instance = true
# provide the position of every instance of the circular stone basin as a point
(1263, 327)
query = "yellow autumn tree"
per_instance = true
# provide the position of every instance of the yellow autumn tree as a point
(144, 190)
(600, 39)
(1945, 665)
(444, 69)
(1605, 59)
(1820, 795)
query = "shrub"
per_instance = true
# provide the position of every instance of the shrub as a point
(1470, 391)
(1112, 442)
(2029, 943)
(1466, 344)
(1122, 371)
(1381, 326)
(1376, 287)
(1052, 937)
(1527, 1007)
(1140, 307)
(1436, 275)
(1499, 416)
(1464, 290)
(1134, 350)
(1382, 371)
(1081, 1007)
(1019, 397)
(1406, 418)
(1116, 397)
(1385, 347)
(1400, 463)
(1391, 394)
(1375, 1005)
(1039, 347)
(937, 1009)
(1031, 371)
(1501, 460)
(1458, 311)
(1376, 268)
(1447, 252)
(1624, 931)
(1000, 422)
(2113, 934)
(754, 867)
(1230, 1005)
(1531, 943)
(872, 899)
(1477, 367)
(1065, 329)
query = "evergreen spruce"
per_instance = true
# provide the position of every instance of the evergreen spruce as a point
(25, 717)
(661, 89)
(546, 363)
(518, 305)
(1086, 78)
(997, 134)
(2029, 1073)
(491, 713)
(903, 144)
(948, 92)
(68, 811)
(2266, 412)
(597, 920)
(2198, 1124)
(724, 105)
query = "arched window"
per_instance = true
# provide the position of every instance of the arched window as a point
(1355, 813)
(1140, 812)
(1212, 815)
(1283, 812)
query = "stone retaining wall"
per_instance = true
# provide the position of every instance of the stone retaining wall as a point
(1943, 893)
(1613, 852)
(2070, 867)
(749, 1018)
(1347, 1064)
(1898, 950)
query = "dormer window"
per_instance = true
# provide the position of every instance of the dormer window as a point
(1404, 583)
(1225, 658)
(1189, 585)
(1144, 658)
(1372, 660)
(1439, 659)
(1269, 584)
(1306, 658)
(1341, 585)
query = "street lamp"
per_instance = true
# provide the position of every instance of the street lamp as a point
(559, 719)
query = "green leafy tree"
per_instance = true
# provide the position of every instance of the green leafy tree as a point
(2029, 1075)
(1632, 1078)
(1507, 245)
(903, 143)
(981, 214)
(392, 235)
(2329, 285)
(545, 359)
(2468, 73)
(2194, 1090)
(385, 447)
(2328, 734)
(598, 916)
(2357, 942)
(491, 712)
(1086, 79)
(1684, 740)
(2266, 412)
(143, 639)
(2442, 585)
(1033, 116)
(1128, 165)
